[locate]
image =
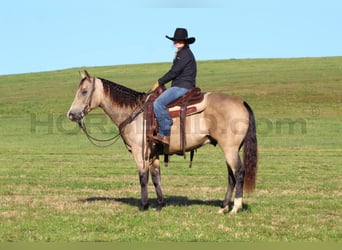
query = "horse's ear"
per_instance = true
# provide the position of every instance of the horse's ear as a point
(87, 74)
(82, 75)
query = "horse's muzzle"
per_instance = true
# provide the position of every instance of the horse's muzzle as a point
(75, 116)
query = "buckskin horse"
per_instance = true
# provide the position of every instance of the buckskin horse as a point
(223, 119)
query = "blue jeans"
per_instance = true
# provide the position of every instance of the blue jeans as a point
(160, 110)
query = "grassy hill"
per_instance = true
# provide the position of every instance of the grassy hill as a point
(48, 166)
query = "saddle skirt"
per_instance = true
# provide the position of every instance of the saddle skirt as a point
(175, 110)
(193, 102)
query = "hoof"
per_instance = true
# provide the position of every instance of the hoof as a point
(160, 207)
(223, 210)
(143, 207)
(237, 206)
(235, 210)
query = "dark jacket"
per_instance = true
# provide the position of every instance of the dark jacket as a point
(183, 71)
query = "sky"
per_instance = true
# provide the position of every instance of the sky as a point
(43, 35)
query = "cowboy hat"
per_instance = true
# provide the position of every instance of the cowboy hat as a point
(182, 35)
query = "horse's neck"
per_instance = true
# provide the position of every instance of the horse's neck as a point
(116, 113)
(124, 102)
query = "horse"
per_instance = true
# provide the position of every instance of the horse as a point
(226, 120)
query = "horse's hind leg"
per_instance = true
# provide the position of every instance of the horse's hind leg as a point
(230, 189)
(239, 177)
(235, 179)
(155, 173)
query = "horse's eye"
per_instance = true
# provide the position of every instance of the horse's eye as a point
(84, 92)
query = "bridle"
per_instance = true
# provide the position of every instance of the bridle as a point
(112, 140)
(81, 124)
(87, 107)
(122, 125)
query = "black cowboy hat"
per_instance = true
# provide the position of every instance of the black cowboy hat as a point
(181, 34)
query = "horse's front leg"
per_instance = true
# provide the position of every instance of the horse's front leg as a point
(143, 178)
(143, 168)
(156, 179)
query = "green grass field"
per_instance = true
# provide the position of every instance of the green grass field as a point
(48, 168)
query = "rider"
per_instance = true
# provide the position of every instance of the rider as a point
(183, 77)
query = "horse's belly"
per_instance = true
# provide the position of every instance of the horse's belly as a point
(196, 133)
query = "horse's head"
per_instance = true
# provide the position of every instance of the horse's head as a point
(85, 99)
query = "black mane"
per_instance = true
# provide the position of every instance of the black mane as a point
(122, 95)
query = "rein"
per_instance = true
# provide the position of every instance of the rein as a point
(94, 140)
(121, 126)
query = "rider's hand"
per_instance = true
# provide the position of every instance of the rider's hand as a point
(155, 86)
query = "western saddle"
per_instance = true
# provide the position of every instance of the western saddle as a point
(181, 107)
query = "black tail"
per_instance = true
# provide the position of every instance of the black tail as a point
(250, 153)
